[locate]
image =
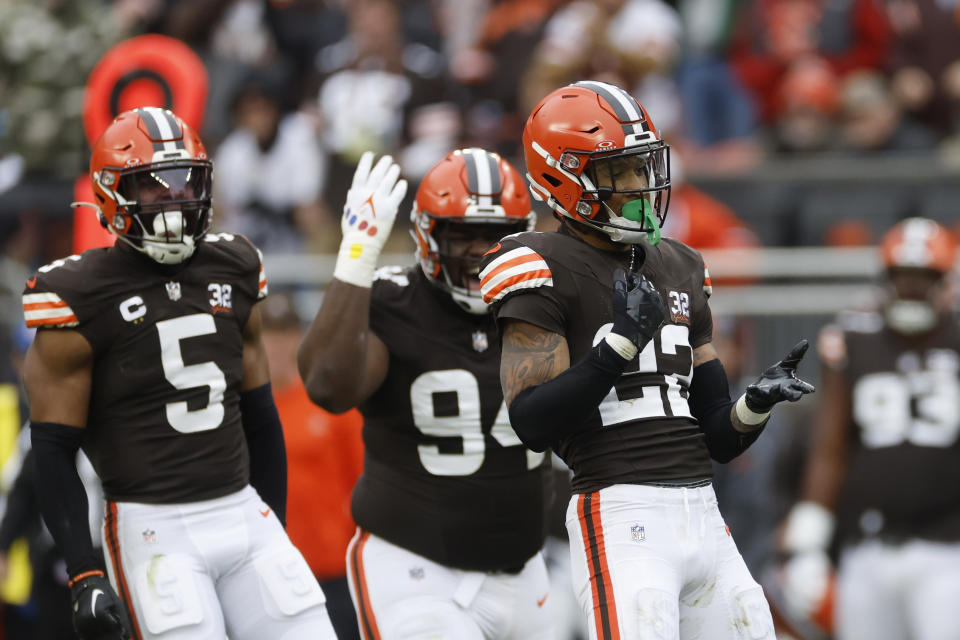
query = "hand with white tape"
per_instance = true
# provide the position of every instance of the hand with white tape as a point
(808, 572)
(368, 215)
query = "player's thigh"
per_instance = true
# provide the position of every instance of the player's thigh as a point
(868, 604)
(934, 591)
(525, 600)
(161, 576)
(400, 595)
(273, 593)
(625, 575)
(727, 603)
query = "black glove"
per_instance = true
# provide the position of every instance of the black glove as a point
(779, 382)
(638, 309)
(97, 611)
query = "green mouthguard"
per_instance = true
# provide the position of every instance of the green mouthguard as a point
(639, 210)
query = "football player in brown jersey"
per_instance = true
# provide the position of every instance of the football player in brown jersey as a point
(606, 358)
(451, 508)
(882, 484)
(148, 354)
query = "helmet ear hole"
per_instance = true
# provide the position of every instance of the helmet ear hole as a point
(552, 180)
(103, 220)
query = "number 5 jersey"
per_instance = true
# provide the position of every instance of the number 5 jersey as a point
(164, 420)
(643, 431)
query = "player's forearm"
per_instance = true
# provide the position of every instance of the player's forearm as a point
(726, 434)
(331, 355)
(61, 496)
(268, 455)
(548, 412)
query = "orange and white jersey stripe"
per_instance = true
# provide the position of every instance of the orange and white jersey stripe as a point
(262, 284)
(47, 310)
(520, 268)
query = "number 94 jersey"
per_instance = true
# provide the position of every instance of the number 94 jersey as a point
(445, 476)
(164, 420)
(643, 431)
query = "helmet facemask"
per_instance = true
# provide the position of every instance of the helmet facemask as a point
(455, 251)
(163, 210)
(638, 179)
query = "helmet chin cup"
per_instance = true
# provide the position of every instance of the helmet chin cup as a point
(469, 303)
(169, 252)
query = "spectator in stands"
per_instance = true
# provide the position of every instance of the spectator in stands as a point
(629, 43)
(382, 93)
(270, 170)
(324, 460)
(872, 120)
(774, 35)
(925, 62)
(717, 108)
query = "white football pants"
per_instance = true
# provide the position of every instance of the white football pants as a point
(400, 595)
(205, 570)
(892, 592)
(659, 563)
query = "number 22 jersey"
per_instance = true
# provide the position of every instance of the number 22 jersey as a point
(643, 431)
(164, 421)
(445, 476)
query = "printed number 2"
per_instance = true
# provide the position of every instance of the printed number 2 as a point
(191, 376)
(464, 423)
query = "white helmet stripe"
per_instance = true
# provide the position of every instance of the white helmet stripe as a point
(156, 120)
(476, 159)
(622, 102)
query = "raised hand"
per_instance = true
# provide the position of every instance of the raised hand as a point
(368, 215)
(779, 382)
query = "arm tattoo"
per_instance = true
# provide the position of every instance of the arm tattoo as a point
(531, 355)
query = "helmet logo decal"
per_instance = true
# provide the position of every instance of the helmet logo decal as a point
(605, 144)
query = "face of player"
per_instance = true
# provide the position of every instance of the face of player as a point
(462, 246)
(915, 284)
(625, 176)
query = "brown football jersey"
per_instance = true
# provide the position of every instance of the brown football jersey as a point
(902, 476)
(164, 421)
(445, 475)
(643, 431)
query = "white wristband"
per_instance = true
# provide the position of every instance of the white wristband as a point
(747, 416)
(356, 263)
(622, 345)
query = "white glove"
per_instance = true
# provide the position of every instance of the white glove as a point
(809, 572)
(368, 215)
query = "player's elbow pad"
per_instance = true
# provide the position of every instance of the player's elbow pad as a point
(710, 404)
(548, 412)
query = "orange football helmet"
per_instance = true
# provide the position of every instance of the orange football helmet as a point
(464, 204)
(919, 243)
(152, 182)
(574, 136)
(917, 254)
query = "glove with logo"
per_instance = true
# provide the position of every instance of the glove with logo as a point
(97, 610)
(638, 311)
(368, 215)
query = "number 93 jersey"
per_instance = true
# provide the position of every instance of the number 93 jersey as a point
(902, 476)
(445, 476)
(164, 420)
(643, 431)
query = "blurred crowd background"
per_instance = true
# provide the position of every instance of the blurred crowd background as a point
(795, 126)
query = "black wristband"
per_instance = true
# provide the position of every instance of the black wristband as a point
(548, 412)
(710, 404)
(268, 455)
(61, 495)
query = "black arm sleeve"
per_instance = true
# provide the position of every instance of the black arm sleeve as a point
(711, 405)
(21, 517)
(545, 413)
(60, 493)
(268, 456)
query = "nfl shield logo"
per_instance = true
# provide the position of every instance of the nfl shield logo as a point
(480, 342)
(637, 533)
(150, 536)
(173, 290)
